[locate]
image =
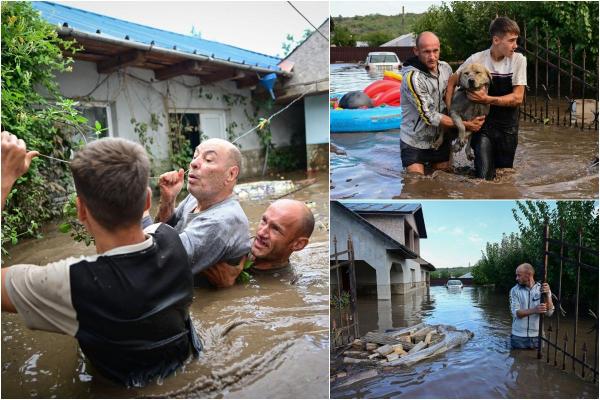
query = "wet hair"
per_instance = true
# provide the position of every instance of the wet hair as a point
(307, 223)
(527, 267)
(503, 25)
(111, 177)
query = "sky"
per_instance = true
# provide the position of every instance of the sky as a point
(257, 26)
(458, 230)
(352, 8)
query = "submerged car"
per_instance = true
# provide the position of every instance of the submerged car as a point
(382, 60)
(454, 284)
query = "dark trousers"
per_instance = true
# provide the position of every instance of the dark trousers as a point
(494, 147)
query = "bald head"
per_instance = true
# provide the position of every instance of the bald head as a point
(524, 274)
(305, 219)
(427, 39)
(285, 227)
(427, 49)
(233, 154)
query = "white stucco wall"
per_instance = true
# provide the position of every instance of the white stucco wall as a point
(130, 94)
(316, 114)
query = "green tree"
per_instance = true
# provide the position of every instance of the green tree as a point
(377, 38)
(34, 110)
(290, 43)
(572, 22)
(342, 37)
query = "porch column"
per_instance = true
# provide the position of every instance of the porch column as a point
(384, 290)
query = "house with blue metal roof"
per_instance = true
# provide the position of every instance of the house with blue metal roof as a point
(144, 83)
(386, 241)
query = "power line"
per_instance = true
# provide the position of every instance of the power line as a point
(302, 15)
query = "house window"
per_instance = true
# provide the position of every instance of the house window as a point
(412, 278)
(198, 126)
(94, 112)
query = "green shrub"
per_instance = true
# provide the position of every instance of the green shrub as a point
(34, 110)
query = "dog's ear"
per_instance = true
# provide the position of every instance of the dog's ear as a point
(458, 81)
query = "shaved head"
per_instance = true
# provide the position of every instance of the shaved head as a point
(427, 49)
(425, 38)
(306, 219)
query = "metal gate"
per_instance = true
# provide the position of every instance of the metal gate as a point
(344, 317)
(560, 349)
(549, 68)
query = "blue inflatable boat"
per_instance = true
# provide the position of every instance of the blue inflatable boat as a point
(381, 118)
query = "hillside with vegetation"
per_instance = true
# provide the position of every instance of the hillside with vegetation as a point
(375, 29)
(446, 273)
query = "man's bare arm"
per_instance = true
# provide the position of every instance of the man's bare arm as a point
(452, 82)
(170, 184)
(513, 99)
(7, 305)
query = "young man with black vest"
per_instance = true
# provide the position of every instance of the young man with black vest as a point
(495, 144)
(128, 306)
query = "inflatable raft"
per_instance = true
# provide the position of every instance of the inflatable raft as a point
(386, 115)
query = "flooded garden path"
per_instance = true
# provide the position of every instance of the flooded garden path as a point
(258, 338)
(551, 162)
(484, 367)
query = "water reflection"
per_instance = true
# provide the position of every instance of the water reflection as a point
(484, 367)
(258, 337)
(550, 162)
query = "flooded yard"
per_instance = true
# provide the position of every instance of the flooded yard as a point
(551, 162)
(258, 337)
(484, 367)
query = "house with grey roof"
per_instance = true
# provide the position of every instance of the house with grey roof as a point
(386, 241)
(406, 40)
(169, 90)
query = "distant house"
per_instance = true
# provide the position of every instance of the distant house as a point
(144, 84)
(407, 40)
(386, 240)
(468, 275)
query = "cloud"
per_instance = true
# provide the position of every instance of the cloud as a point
(483, 225)
(439, 229)
(458, 231)
(474, 237)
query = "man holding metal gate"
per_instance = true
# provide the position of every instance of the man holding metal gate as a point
(526, 305)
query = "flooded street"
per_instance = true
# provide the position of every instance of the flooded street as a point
(258, 338)
(551, 162)
(484, 367)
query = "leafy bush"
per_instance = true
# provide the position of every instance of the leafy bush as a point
(572, 22)
(499, 260)
(34, 110)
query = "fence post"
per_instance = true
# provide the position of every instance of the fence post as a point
(577, 296)
(558, 84)
(571, 96)
(583, 93)
(545, 279)
(537, 50)
(353, 286)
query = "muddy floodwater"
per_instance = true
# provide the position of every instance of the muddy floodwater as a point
(265, 339)
(551, 162)
(484, 367)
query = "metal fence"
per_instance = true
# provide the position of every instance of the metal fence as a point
(559, 85)
(560, 349)
(344, 317)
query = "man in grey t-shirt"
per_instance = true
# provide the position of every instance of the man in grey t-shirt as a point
(211, 224)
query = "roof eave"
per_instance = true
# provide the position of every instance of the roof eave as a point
(68, 31)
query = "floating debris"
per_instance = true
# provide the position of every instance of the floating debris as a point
(405, 346)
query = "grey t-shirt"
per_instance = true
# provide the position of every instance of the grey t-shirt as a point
(219, 233)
